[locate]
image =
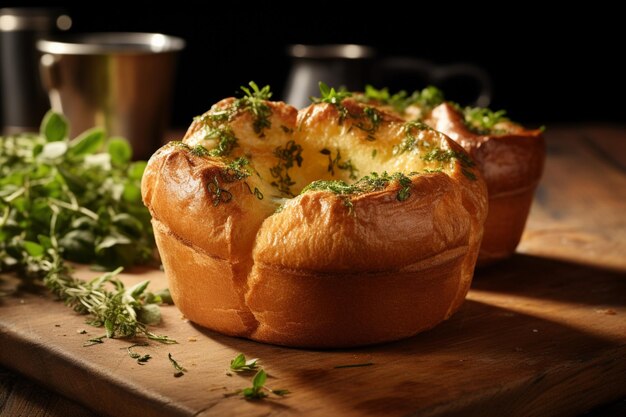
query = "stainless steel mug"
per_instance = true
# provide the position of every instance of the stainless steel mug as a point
(120, 81)
(23, 100)
(353, 66)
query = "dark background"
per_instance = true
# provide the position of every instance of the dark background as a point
(546, 68)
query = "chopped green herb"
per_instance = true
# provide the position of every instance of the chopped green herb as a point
(369, 183)
(256, 192)
(483, 120)
(180, 371)
(237, 169)
(199, 150)
(218, 194)
(373, 118)
(410, 138)
(287, 156)
(442, 156)
(241, 364)
(336, 162)
(226, 140)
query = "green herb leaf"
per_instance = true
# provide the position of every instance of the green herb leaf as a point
(88, 142)
(120, 151)
(259, 380)
(136, 170)
(52, 151)
(330, 95)
(240, 364)
(54, 127)
(256, 392)
(150, 314)
(165, 297)
(33, 249)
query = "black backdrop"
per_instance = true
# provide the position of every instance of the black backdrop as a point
(546, 67)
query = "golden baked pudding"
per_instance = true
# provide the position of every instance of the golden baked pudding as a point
(336, 225)
(509, 156)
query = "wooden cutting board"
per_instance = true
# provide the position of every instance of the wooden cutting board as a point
(541, 334)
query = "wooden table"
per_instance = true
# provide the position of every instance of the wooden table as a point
(543, 333)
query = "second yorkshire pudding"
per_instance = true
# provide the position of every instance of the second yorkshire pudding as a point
(509, 156)
(338, 225)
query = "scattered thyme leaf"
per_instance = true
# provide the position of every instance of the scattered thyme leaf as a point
(241, 364)
(180, 371)
(141, 359)
(94, 341)
(258, 388)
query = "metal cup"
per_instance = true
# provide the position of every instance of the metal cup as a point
(23, 100)
(119, 81)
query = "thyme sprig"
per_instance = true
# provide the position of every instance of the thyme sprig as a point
(254, 101)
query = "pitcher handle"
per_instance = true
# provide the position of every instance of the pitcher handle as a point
(438, 73)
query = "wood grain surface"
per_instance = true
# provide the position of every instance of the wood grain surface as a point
(543, 333)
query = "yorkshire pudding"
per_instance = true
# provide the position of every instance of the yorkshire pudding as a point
(339, 225)
(509, 156)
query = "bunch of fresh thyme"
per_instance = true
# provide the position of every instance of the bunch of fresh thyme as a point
(62, 199)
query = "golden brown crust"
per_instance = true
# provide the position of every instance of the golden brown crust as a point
(511, 164)
(327, 270)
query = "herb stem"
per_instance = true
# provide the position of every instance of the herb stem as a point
(354, 365)
(74, 207)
